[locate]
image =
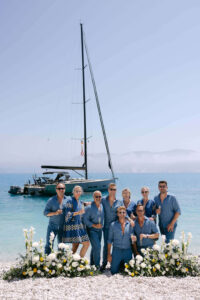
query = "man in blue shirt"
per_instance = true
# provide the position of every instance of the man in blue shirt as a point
(120, 237)
(168, 210)
(145, 231)
(54, 210)
(94, 219)
(110, 205)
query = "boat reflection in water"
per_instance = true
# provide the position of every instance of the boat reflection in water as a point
(44, 185)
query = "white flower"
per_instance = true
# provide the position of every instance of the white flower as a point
(61, 246)
(161, 256)
(76, 256)
(87, 267)
(157, 266)
(132, 262)
(175, 242)
(38, 264)
(163, 273)
(51, 256)
(38, 271)
(75, 264)
(53, 272)
(52, 236)
(175, 255)
(59, 266)
(35, 258)
(163, 238)
(25, 230)
(143, 265)
(30, 273)
(35, 244)
(156, 247)
(183, 270)
(189, 235)
(42, 274)
(126, 270)
(53, 264)
(172, 261)
(139, 258)
(79, 269)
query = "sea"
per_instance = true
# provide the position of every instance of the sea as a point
(22, 211)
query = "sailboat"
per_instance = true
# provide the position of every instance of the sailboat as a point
(46, 186)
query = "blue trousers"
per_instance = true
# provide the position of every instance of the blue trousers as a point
(169, 235)
(58, 231)
(95, 240)
(105, 246)
(119, 258)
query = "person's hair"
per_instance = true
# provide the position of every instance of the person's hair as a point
(121, 208)
(145, 187)
(96, 192)
(127, 190)
(60, 183)
(139, 205)
(162, 181)
(111, 185)
(79, 187)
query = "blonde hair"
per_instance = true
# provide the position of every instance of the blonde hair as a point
(127, 190)
(121, 208)
(77, 187)
(111, 184)
(145, 187)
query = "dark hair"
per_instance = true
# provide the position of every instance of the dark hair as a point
(162, 181)
(139, 205)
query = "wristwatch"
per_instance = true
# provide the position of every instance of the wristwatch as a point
(147, 236)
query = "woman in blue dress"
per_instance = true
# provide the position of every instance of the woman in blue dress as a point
(74, 230)
(149, 205)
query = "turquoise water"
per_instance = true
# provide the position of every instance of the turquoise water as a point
(18, 212)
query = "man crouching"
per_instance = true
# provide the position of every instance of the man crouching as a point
(120, 236)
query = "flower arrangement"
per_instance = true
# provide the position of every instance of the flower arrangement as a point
(166, 260)
(58, 263)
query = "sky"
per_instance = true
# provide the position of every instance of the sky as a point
(146, 60)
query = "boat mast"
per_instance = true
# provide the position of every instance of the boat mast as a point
(99, 110)
(84, 105)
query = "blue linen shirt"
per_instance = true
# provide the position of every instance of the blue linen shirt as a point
(116, 236)
(169, 207)
(149, 227)
(52, 206)
(93, 215)
(110, 212)
(150, 208)
(131, 208)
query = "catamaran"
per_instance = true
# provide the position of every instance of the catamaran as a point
(45, 185)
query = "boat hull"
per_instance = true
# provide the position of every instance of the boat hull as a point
(87, 186)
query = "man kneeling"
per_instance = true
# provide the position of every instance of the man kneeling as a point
(120, 236)
(145, 231)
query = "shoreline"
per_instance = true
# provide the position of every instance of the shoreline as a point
(104, 286)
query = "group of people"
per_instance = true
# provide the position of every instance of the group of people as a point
(127, 227)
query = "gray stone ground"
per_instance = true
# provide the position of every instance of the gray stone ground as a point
(103, 286)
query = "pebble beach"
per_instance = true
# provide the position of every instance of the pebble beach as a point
(102, 286)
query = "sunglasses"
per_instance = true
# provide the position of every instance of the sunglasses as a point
(122, 212)
(145, 192)
(98, 197)
(61, 189)
(113, 189)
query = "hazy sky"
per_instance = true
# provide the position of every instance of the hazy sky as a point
(146, 61)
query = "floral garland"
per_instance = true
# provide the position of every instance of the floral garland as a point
(58, 263)
(166, 260)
